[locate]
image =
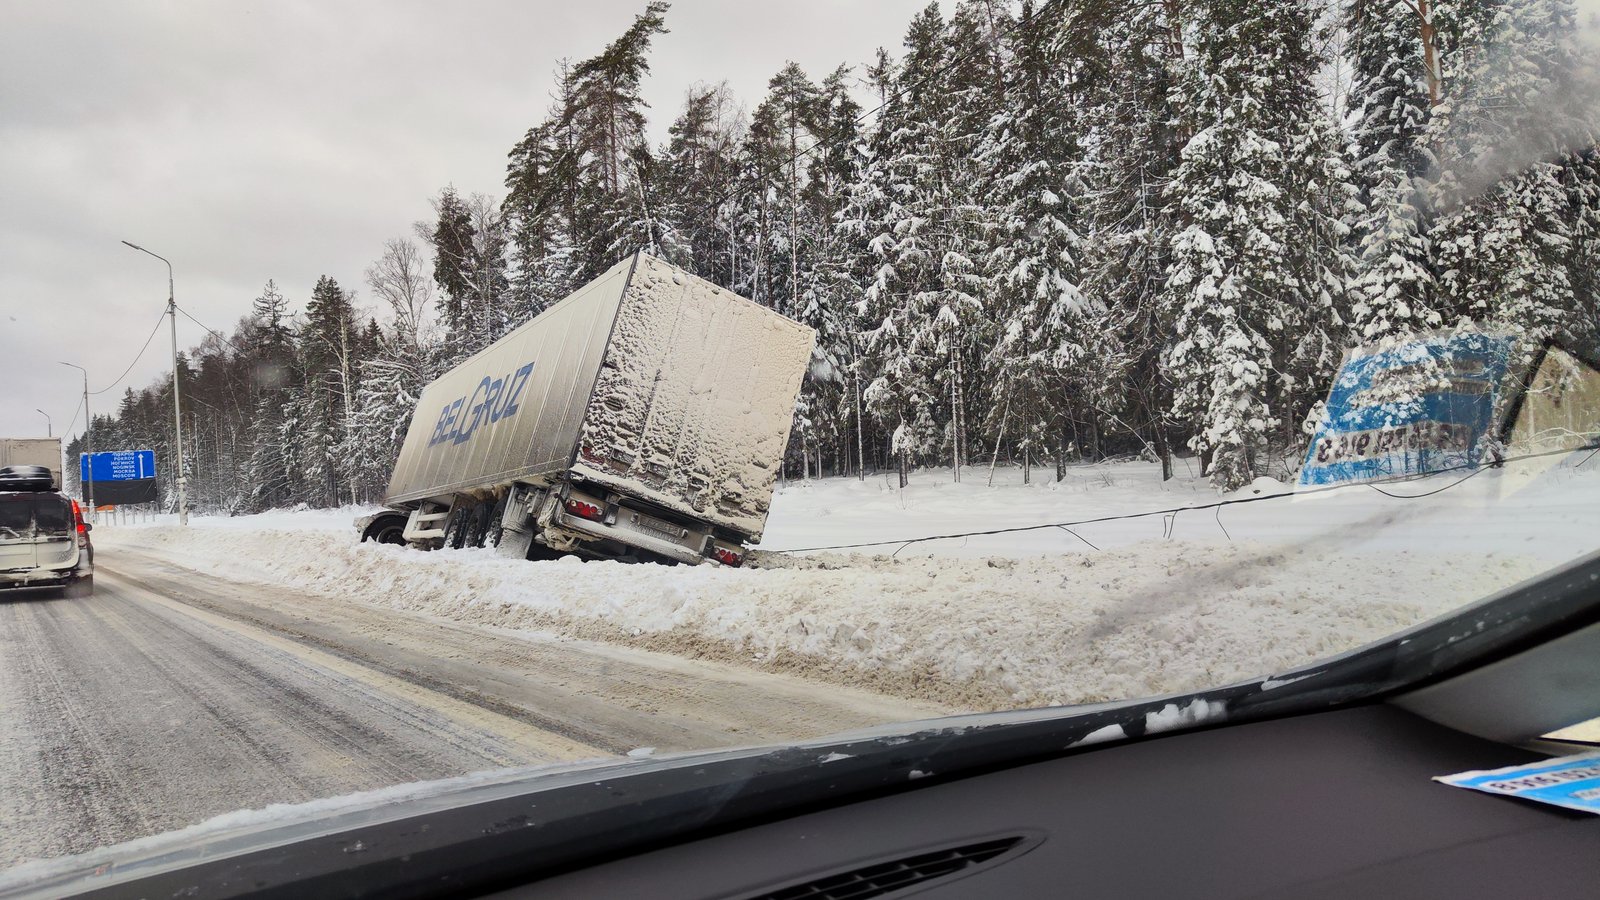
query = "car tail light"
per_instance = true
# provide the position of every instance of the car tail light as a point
(585, 509)
(727, 557)
(77, 517)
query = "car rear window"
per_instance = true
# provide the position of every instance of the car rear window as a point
(52, 513)
(49, 512)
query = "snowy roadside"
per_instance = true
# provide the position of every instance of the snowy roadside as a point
(1131, 619)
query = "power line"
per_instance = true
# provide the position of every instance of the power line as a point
(214, 333)
(1217, 505)
(74, 420)
(136, 359)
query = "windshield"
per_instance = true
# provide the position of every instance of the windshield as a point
(458, 390)
(24, 513)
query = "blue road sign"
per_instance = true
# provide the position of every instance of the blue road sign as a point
(117, 465)
(1421, 407)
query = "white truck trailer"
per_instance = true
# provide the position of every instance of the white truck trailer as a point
(45, 451)
(644, 417)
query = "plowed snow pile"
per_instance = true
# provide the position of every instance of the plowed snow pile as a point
(1132, 619)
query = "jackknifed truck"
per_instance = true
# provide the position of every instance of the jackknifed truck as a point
(642, 418)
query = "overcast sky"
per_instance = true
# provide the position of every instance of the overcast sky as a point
(286, 140)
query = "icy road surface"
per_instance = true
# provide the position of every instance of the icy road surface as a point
(171, 697)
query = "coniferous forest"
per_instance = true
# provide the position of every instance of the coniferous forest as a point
(1040, 231)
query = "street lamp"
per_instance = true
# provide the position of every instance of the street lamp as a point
(177, 414)
(88, 441)
(49, 424)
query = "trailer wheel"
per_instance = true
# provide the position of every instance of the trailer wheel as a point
(386, 530)
(455, 525)
(477, 523)
(497, 525)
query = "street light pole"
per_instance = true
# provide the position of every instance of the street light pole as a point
(88, 441)
(49, 424)
(177, 413)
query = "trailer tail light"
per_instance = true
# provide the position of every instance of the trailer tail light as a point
(585, 509)
(727, 557)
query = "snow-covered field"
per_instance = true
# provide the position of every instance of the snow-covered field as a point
(1119, 609)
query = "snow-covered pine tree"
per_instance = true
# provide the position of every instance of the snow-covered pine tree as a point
(1039, 362)
(832, 387)
(323, 402)
(782, 131)
(1506, 129)
(1237, 274)
(699, 163)
(897, 307)
(540, 206)
(617, 211)
(268, 471)
(1140, 135)
(1392, 292)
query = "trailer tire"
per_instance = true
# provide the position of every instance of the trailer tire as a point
(497, 521)
(386, 530)
(477, 523)
(455, 525)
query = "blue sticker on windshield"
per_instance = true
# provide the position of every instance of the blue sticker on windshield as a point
(1569, 781)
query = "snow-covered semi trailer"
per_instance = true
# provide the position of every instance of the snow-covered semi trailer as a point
(643, 417)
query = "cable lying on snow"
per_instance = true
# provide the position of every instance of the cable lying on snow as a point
(1216, 505)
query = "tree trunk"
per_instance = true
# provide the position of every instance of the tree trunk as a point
(1061, 454)
(861, 451)
(1430, 50)
(1163, 450)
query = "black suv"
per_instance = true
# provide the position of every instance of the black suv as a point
(44, 540)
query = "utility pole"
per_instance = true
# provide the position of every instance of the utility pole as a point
(177, 414)
(88, 442)
(49, 424)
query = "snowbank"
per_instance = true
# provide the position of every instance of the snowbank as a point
(1299, 579)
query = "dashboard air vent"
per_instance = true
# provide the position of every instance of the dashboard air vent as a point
(881, 878)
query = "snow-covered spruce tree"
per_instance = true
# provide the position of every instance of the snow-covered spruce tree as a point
(831, 390)
(452, 241)
(925, 298)
(1245, 270)
(887, 211)
(856, 266)
(1393, 290)
(1506, 132)
(323, 403)
(1136, 120)
(268, 471)
(1581, 176)
(958, 206)
(1039, 363)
